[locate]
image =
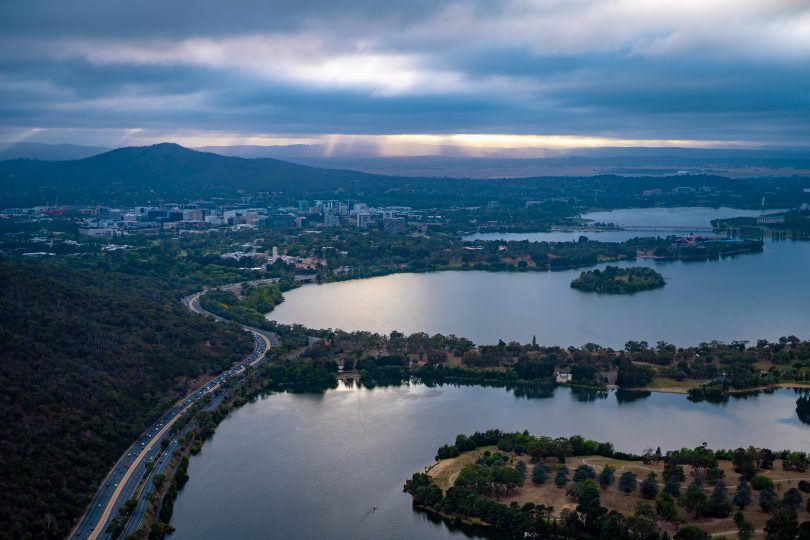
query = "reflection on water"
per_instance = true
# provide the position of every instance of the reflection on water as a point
(748, 297)
(629, 396)
(803, 406)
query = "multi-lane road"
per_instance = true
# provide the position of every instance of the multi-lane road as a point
(123, 481)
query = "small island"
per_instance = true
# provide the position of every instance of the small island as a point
(575, 488)
(615, 280)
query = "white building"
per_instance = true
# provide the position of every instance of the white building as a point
(563, 377)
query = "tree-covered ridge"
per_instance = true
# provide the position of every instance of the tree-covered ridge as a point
(504, 480)
(615, 280)
(136, 175)
(89, 358)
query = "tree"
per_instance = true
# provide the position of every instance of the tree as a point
(665, 507)
(792, 499)
(588, 499)
(627, 482)
(745, 529)
(766, 458)
(630, 375)
(759, 482)
(584, 472)
(714, 474)
(744, 462)
(767, 498)
(742, 497)
(804, 531)
(673, 470)
(673, 487)
(720, 505)
(607, 476)
(695, 500)
(649, 487)
(783, 524)
(158, 481)
(561, 479)
(642, 523)
(539, 474)
(447, 451)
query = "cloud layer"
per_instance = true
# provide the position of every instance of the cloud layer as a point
(110, 73)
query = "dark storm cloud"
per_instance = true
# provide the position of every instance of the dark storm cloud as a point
(623, 69)
(159, 18)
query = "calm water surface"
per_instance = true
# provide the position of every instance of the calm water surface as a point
(312, 466)
(762, 295)
(631, 217)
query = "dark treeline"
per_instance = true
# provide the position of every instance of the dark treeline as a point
(731, 366)
(89, 358)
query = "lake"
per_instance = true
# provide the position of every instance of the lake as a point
(305, 466)
(312, 466)
(680, 217)
(762, 295)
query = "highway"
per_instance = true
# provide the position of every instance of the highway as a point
(123, 480)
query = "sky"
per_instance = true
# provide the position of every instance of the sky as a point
(407, 76)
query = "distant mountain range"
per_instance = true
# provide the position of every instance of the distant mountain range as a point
(171, 173)
(496, 163)
(47, 152)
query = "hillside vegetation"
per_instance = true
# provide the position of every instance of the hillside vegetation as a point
(89, 359)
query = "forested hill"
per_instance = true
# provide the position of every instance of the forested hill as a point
(170, 173)
(89, 358)
(163, 171)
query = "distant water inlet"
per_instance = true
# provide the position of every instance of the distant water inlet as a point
(632, 222)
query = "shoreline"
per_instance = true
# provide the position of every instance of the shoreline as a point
(236, 403)
(684, 391)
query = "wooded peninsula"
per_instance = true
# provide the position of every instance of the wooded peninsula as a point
(575, 488)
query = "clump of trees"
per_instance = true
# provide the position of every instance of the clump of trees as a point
(615, 280)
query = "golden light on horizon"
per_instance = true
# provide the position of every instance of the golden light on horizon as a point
(555, 142)
(392, 145)
(472, 144)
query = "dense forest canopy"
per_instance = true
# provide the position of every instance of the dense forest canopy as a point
(90, 357)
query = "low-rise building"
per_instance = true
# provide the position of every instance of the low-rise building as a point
(563, 377)
(770, 220)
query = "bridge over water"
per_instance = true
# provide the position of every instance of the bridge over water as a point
(648, 228)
